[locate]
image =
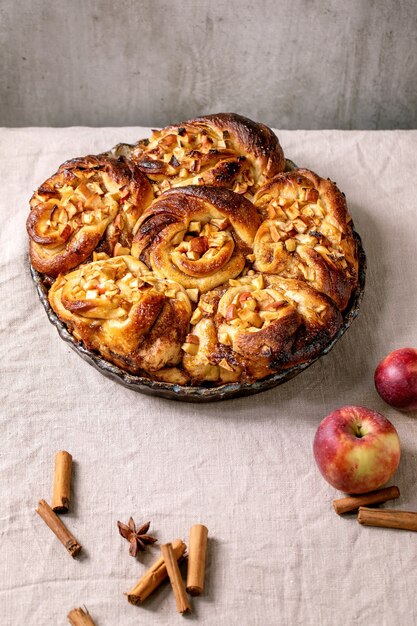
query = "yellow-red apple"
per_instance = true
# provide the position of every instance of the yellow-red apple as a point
(356, 449)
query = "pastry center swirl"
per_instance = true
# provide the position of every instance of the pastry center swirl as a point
(203, 249)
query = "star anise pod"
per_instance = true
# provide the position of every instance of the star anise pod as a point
(138, 539)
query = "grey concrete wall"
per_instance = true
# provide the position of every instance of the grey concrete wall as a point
(291, 64)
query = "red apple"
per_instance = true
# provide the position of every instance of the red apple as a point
(396, 379)
(357, 450)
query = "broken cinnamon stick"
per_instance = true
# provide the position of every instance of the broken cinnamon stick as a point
(62, 482)
(154, 576)
(52, 520)
(388, 518)
(197, 549)
(183, 606)
(80, 617)
(351, 503)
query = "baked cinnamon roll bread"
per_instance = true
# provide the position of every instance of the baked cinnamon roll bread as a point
(257, 325)
(132, 318)
(194, 259)
(197, 236)
(85, 200)
(222, 150)
(307, 234)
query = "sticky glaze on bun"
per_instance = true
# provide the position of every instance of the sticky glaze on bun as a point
(222, 150)
(87, 199)
(307, 234)
(130, 317)
(255, 325)
(197, 236)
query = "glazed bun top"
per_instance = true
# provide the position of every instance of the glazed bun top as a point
(221, 150)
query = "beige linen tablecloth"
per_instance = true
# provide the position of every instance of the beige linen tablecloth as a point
(278, 554)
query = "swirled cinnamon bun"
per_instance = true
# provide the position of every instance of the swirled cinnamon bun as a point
(197, 236)
(222, 150)
(257, 325)
(132, 318)
(307, 234)
(71, 212)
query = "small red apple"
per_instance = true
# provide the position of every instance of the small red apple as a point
(396, 379)
(357, 450)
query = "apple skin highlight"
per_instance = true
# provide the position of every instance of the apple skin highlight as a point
(356, 449)
(396, 379)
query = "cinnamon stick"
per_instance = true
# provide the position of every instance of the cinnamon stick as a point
(197, 549)
(52, 520)
(80, 617)
(183, 606)
(388, 518)
(351, 503)
(154, 576)
(62, 482)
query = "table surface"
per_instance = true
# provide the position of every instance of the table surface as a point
(277, 553)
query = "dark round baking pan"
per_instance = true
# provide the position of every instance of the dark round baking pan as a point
(201, 393)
